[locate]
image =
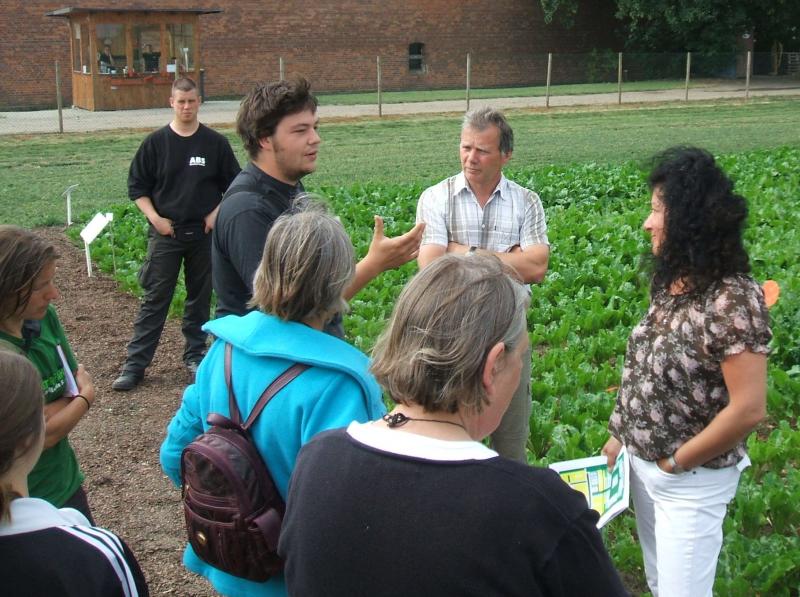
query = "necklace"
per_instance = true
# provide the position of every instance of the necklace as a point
(399, 419)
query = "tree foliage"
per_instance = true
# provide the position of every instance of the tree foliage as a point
(695, 25)
(563, 10)
(705, 25)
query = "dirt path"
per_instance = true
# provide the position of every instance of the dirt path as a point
(118, 441)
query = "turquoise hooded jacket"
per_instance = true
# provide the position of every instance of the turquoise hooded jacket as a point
(336, 390)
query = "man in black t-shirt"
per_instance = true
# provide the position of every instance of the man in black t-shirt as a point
(177, 179)
(278, 125)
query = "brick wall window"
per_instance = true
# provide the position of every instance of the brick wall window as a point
(416, 60)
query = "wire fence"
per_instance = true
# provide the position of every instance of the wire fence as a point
(360, 85)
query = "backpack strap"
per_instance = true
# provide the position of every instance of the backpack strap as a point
(244, 186)
(276, 386)
(235, 416)
(276, 209)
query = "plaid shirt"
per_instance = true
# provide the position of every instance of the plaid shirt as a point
(512, 216)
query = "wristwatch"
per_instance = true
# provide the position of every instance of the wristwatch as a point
(677, 469)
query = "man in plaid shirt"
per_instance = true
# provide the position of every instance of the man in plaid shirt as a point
(480, 210)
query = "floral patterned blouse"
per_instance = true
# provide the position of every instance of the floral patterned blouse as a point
(672, 385)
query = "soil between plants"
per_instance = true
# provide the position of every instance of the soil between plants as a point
(117, 442)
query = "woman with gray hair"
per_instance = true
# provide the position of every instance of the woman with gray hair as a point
(413, 503)
(307, 262)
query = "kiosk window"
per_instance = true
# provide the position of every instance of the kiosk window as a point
(81, 60)
(181, 41)
(110, 48)
(147, 48)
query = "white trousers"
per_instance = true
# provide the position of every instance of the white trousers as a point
(679, 520)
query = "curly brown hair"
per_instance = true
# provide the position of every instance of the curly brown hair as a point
(266, 105)
(704, 222)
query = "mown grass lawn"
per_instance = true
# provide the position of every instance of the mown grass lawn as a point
(430, 95)
(35, 170)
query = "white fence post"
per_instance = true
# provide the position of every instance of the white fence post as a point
(747, 75)
(469, 70)
(688, 74)
(380, 98)
(549, 72)
(59, 101)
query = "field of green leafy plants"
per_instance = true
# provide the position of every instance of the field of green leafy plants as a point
(579, 320)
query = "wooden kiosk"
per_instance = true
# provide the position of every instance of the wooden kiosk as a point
(127, 58)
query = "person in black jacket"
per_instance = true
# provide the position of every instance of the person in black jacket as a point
(414, 503)
(177, 179)
(45, 550)
(106, 60)
(278, 126)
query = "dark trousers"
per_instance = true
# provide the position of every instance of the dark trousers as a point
(80, 502)
(158, 277)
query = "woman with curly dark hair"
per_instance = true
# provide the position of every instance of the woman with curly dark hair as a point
(694, 381)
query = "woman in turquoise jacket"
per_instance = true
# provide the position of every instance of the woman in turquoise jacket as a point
(308, 261)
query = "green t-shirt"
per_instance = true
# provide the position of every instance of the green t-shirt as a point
(56, 476)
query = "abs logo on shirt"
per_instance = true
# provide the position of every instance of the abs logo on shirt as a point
(198, 161)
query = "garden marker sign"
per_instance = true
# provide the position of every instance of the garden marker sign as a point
(90, 232)
(68, 194)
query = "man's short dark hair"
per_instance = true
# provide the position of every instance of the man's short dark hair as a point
(266, 105)
(184, 84)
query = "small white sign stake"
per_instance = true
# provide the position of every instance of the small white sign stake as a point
(91, 232)
(68, 195)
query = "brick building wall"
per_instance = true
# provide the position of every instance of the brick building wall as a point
(333, 43)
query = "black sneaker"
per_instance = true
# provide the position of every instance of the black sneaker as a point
(127, 381)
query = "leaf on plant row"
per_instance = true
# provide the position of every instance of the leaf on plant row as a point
(771, 292)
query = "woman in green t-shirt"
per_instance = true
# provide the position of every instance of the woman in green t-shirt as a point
(29, 325)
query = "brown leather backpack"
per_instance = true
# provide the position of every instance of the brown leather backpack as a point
(233, 510)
